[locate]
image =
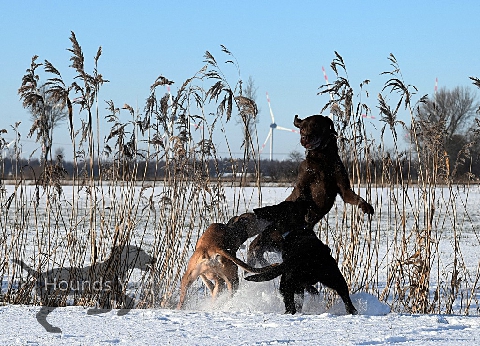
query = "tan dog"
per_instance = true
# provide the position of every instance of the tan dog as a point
(214, 257)
(321, 177)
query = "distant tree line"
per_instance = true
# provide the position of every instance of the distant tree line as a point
(280, 171)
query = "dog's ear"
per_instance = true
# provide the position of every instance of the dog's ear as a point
(266, 213)
(297, 121)
(233, 220)
(260, 212)
(331, 125)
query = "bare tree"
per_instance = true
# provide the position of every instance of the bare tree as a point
(443, 123)
(296, 156)
(454, 108)
(452, 111)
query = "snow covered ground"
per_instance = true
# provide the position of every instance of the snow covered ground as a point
(239, 326)
(254, 316)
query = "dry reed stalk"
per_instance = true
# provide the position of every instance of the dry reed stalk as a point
(108, 210)
(409, 254)
(408, 250)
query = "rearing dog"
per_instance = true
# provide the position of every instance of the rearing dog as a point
(99, 280)
(321, 177)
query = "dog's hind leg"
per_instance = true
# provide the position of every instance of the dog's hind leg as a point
(42, 319)
(332, 277)
(288, 293)
(192, 273)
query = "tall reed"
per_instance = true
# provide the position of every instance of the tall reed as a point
(55, 222)
(412, 253)
(409, 255)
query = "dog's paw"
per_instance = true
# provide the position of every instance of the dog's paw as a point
(366, 208)
(351, 310)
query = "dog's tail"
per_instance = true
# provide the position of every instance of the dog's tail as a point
(269, 273)
(24, 266)
(242, 264)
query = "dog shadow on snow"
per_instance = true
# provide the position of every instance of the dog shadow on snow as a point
(100, 283)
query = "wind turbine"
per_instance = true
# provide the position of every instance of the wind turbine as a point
(6, 147)
(273, 126)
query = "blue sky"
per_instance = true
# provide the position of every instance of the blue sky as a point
(281, 44)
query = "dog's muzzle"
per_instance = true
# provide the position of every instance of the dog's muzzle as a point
(319, 143)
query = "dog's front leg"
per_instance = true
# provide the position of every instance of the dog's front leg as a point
(351, 197)
(346, 192)
(129, 304)
(288, 295)
(42, 319)
(289, 301)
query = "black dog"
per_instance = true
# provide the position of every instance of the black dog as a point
(100, 281)
(321, 177)
(306, 260)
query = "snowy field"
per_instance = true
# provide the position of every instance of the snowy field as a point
(254, 316)
(239, 326)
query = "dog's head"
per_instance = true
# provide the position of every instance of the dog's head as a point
(287, 215)
(133, 257)
(316, 131)
(247, 223)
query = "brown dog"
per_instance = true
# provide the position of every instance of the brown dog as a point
(321, 177)
(214, 257)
